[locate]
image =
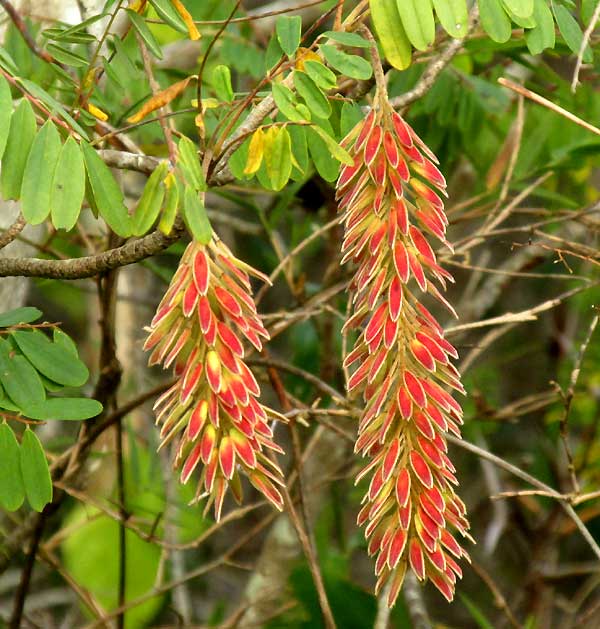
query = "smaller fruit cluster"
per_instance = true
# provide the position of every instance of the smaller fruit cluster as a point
(213, 406)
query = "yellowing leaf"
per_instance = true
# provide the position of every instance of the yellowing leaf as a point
(187, 18)
(96, 112)
(305, 54)
(255, 152)
(160, 99)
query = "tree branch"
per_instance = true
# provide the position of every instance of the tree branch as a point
(89, 266)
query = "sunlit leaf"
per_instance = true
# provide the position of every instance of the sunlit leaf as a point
(453, 16)
(494, 20)
(391, 33)
(418, 22)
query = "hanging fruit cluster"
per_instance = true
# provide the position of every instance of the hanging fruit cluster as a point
(401, 360)
(213, 406)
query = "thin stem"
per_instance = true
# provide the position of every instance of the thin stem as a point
(23, 589)
(122, 529)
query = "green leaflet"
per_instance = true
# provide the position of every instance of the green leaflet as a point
(417, 18)
(190, 165)
(273, 53)
(19, 379)
(150, 202)
(12, 492)
(53, 105)
(494, 20)
(108, 197)
(351, 65)
(315, 100)
(166, 11)
(571, 32)
(65, 409)
(145, 33)
(542, 36)
(587, 10)
(320, 74)
(5, 113)
(453, 16)
(81, 27)
(299, 151)
(221, 81)
(326, 167)
(194, 214)
(50, 359)
(353, 40)
(520, 8)
(65, 341)
(66, 56)
(278, 157)
(285, 100)
(350, 116)
(34, 471)
(68, 186)
(391, 33)
(26, 314)
(289, 32)
(38, 174)
(170, 209)
(336, 150)
(20, 138)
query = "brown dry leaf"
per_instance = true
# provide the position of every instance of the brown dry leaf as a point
(187, 18)
(160, 99)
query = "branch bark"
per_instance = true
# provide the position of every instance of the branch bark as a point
(89, 266)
